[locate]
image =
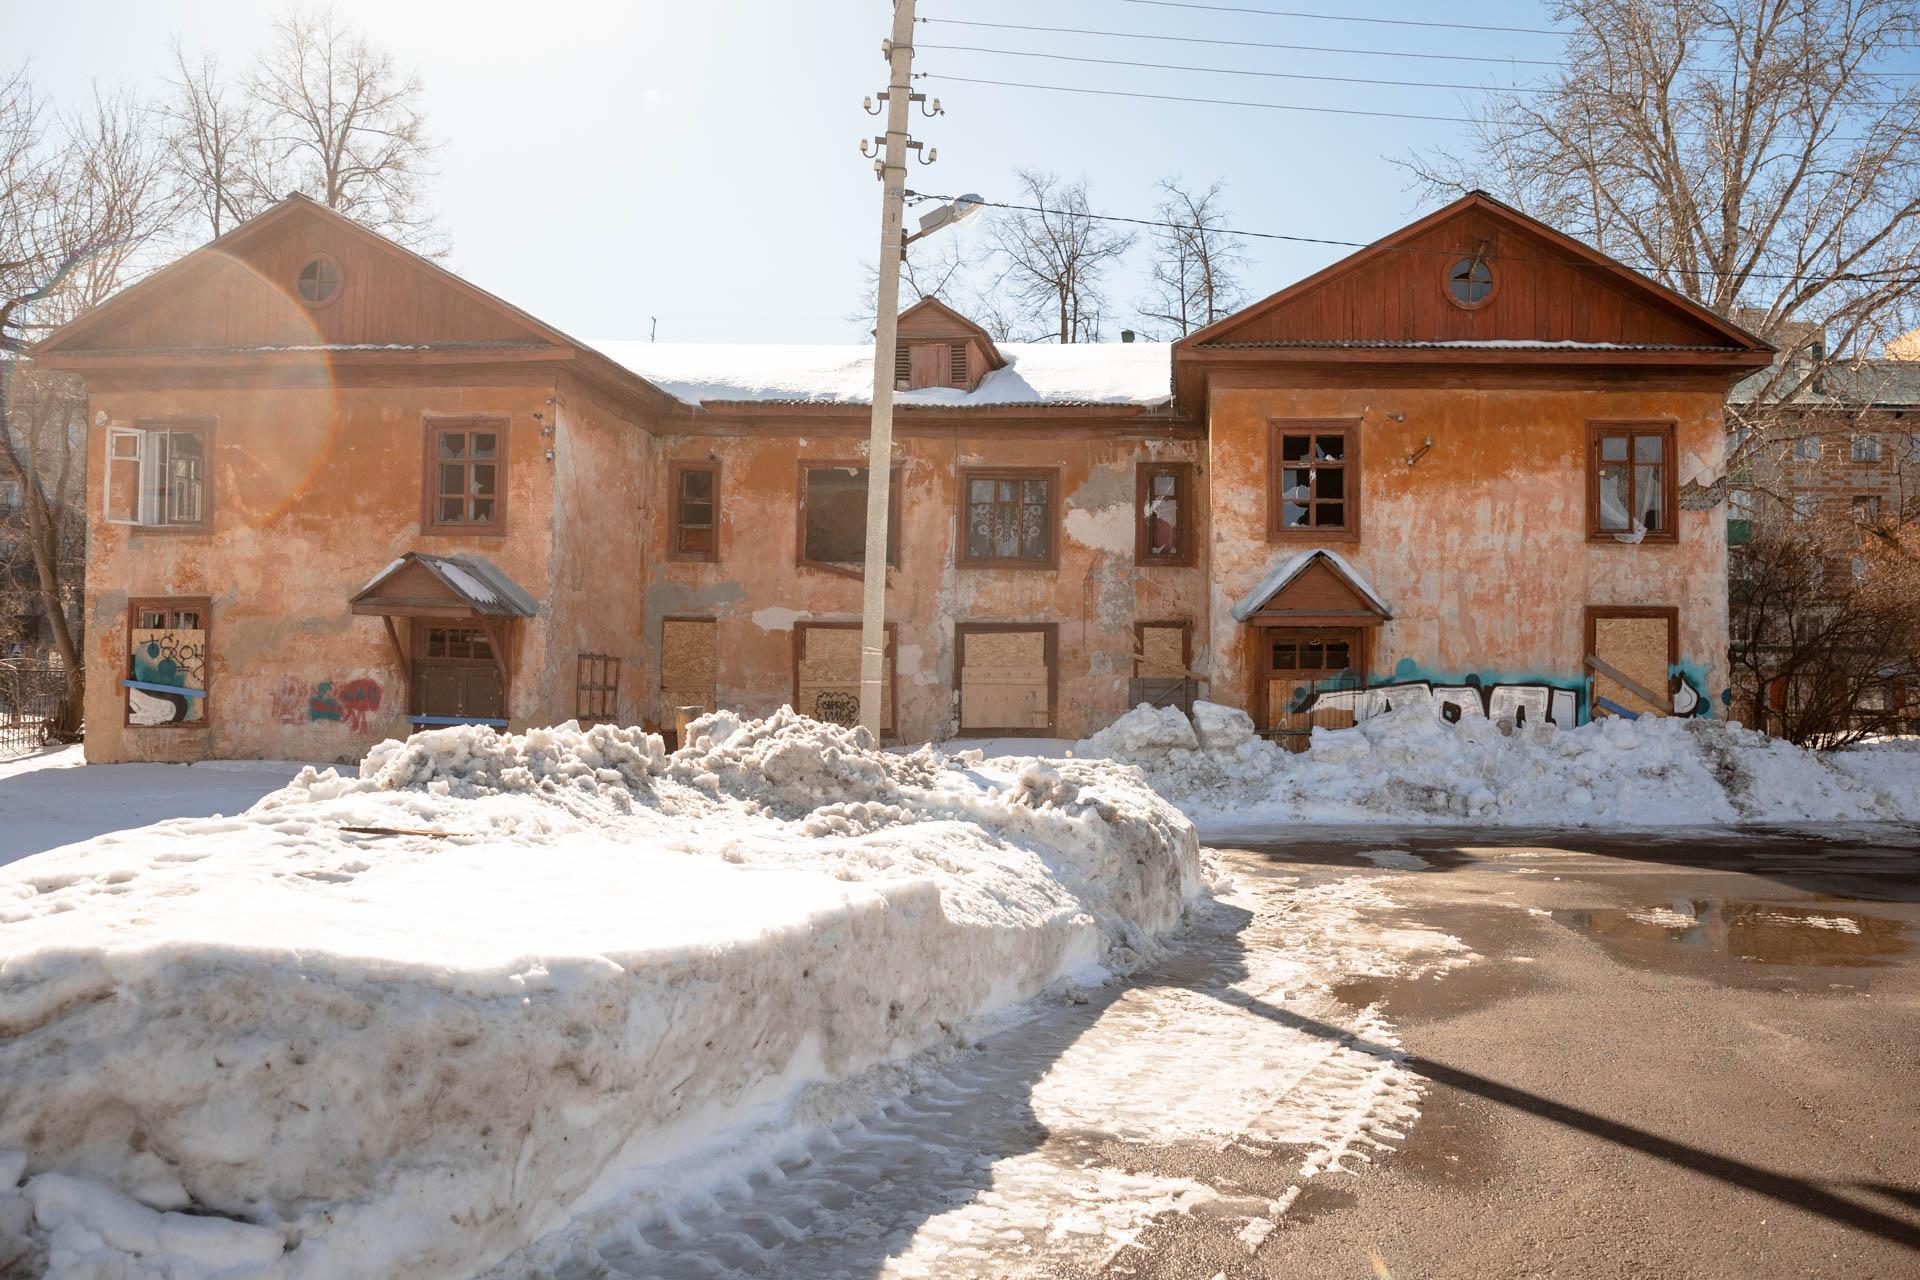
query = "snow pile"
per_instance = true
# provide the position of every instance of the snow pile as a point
(270, 1046)
(1409, 764)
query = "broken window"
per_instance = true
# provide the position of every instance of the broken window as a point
(1165, 513)
(833, 516)
(467, 468)
(1469, 281)
(157, 476)
(166, 680)
(458, 642)
(597, 694)
(696, 489)
(1009, 517)
(1314, 481)
(1631, 481)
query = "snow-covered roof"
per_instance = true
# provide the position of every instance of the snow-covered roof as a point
(475, 579)
(1036, 373)
(1292, 567)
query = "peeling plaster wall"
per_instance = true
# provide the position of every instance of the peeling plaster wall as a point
(1480, 548)
(757, 591)
(603, 480)
(314, 491)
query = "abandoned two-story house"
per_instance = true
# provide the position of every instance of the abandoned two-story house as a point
(338, 492)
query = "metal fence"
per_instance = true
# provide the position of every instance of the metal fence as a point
(30, 694)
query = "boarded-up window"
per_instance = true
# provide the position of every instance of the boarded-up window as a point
(1162, 651)
(696, 510)
(688, 665)
(157, 475)
(1007, 678)
(466, 474)
(1635, 649)
(597, 696)
(1008, 517)
(833, 516)
(166, 679)
(826, 673)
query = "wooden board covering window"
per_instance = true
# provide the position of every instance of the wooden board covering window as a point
(826, 673)
(932, 365)
(1163, 649)
(1009, 678)
(1313, 479)
(689, 665)
(1292, 659)
(169, 644)
(1639, 643)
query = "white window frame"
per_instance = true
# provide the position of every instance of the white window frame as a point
(149, 483)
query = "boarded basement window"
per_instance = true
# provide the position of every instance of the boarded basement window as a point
(597, 696)
(166, 680)
(1162, 650)
(826, 673)
(1008, 678)
(1640, 644)
(688, 665)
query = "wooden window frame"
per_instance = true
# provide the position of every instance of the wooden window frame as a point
(1450, 261)
(1183, 554)
(1140, 641)
(800, 512)
(1361, 664)
(800, 628)
(969, 474)
(1051, 653)
(1667, 429)
(1351, 462)
(435, 427)
(339, 285)
(134, 605)
(591, 671)
(1594, 612)
(206, 425)
(675, 550)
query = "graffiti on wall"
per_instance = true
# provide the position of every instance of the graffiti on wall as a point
(352, 703)
(1555, 701)
(164, 659)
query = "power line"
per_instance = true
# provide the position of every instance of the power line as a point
(1868, 277)
(1341, 17)
(1218, 102)
(1228, 71)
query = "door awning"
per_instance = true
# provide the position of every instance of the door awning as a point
(1316, 587)
(424, 586)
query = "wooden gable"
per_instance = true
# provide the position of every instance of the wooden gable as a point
(935, 341)
(241, 293)
(1319, 594)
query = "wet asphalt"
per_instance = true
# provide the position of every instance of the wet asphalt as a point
(1682, 1054)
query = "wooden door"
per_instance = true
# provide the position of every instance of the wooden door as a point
(1295, 663)
(1006, 679)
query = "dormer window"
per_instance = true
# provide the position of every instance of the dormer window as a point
(939, 347)
(930, 364)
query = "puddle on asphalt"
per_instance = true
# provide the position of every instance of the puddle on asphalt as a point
(1761, 932)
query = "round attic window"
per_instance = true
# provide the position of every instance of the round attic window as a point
(319, 281)
(1469, 282)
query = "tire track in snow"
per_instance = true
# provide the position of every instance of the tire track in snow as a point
(1056, 1141)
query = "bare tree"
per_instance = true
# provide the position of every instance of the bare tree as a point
(939, 267)
(81, 200)
(1195, 273)
(215, 148)
(1053, 256)
(346, 125)
(1744, 153)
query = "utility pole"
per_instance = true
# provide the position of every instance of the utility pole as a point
(892, 168)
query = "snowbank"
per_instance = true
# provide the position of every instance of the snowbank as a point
(269, 1046)
(1409, 765)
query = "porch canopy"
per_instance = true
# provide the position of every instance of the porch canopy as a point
(1315, 588)
(453, 590)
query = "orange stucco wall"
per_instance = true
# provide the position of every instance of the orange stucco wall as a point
(1480, 548)
(756, 591)
(314, 491)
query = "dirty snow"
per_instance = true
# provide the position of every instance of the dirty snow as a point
(1135, 373)
(1410, 765)
(266, 1046)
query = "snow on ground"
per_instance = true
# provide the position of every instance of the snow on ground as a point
(1056, 1140)
(54, 797)
(1409, 765)
(268, 1046)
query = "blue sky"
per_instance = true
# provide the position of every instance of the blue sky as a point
(697, 162)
